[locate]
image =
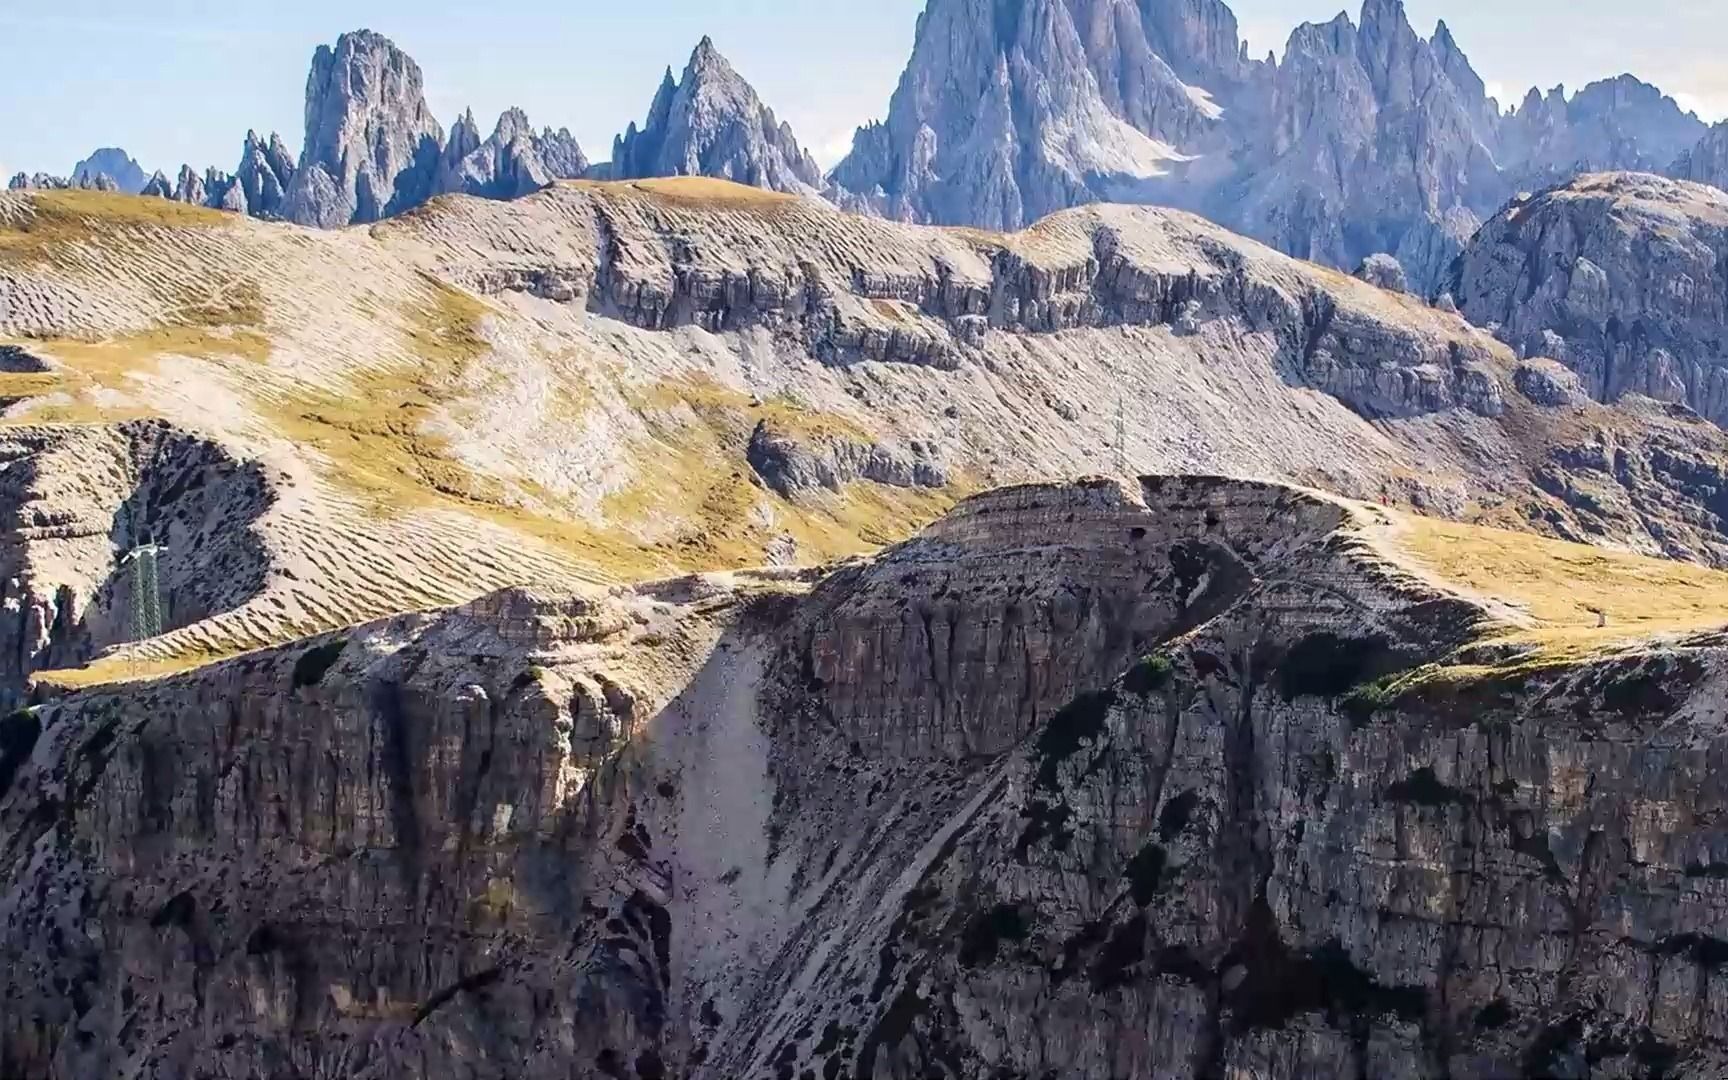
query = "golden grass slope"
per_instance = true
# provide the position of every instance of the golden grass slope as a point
(369, 387)
(1555, 604)
(450, 402)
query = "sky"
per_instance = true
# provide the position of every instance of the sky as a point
(177, 81)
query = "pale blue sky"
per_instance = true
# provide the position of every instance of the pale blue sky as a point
(182, 80)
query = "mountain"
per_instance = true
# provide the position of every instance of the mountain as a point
(633, 629)
(1000, 118)
(712, 123)
(373, 149)
(1365, 139)
(331, 428)
(513, 161)
(1618, 276)
(372, 145)
(45, 182)
(265, 174)
(189, 187)
(113, 162)
(1158, 778)
(1706, 163)
(1617, 124)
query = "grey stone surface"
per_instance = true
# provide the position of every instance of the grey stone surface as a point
(1385, 272)
(88, 181)
(1088, 780)
(1619, 277)
(1706, 163)
(117, 164)
(189, 187)
(509, 163)
(372, 145)
(265, 173)
(711, 122)
(1364, 138)
(158, 187)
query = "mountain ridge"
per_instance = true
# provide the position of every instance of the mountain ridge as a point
(1085, 100)
(1364, 139)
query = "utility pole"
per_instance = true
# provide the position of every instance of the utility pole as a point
(1121, 437)
(146, 596)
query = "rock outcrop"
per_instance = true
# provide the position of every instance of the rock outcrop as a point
(1000, 117)
(603, 382)
(712, 123)
(1384, 272)
(1620, 277)
(1616, 124)
(1364, 138)
(373, 149)
(372, 145)
(82, 498)
(1706, 163)
(114, 163)
(46, 182)
(265, 173)
(189, 187)
(511, 162)
(1088, 780)
(158, 187)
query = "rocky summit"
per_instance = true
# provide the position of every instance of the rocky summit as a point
(1619, 277)
(372, 144)
(711, 123)
(1366, 138)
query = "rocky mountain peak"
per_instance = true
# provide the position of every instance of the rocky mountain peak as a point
(1621, 123)
(372, 145)
(115, 163)
(264, 175)
(706, 57)
(158, 186)
(711, 122)
(1365, 138)
(510, 162)
(189, 187)
(1008, 112)
(1707, 162)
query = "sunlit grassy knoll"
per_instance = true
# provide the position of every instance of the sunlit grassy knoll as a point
(704, 517)
(59, 219)
(96, 378)
(121, 666)
(1570, 602)
(704, 192)
(726, 409)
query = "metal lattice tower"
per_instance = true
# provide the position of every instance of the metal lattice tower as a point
(1121, 437)
(146, 591)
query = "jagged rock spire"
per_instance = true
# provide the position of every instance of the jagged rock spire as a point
(712, 123)
(372, 145)
(513, 161)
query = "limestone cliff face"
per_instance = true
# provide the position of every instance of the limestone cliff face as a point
(1088, 780)
(1706, 163)
(1618, 276)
